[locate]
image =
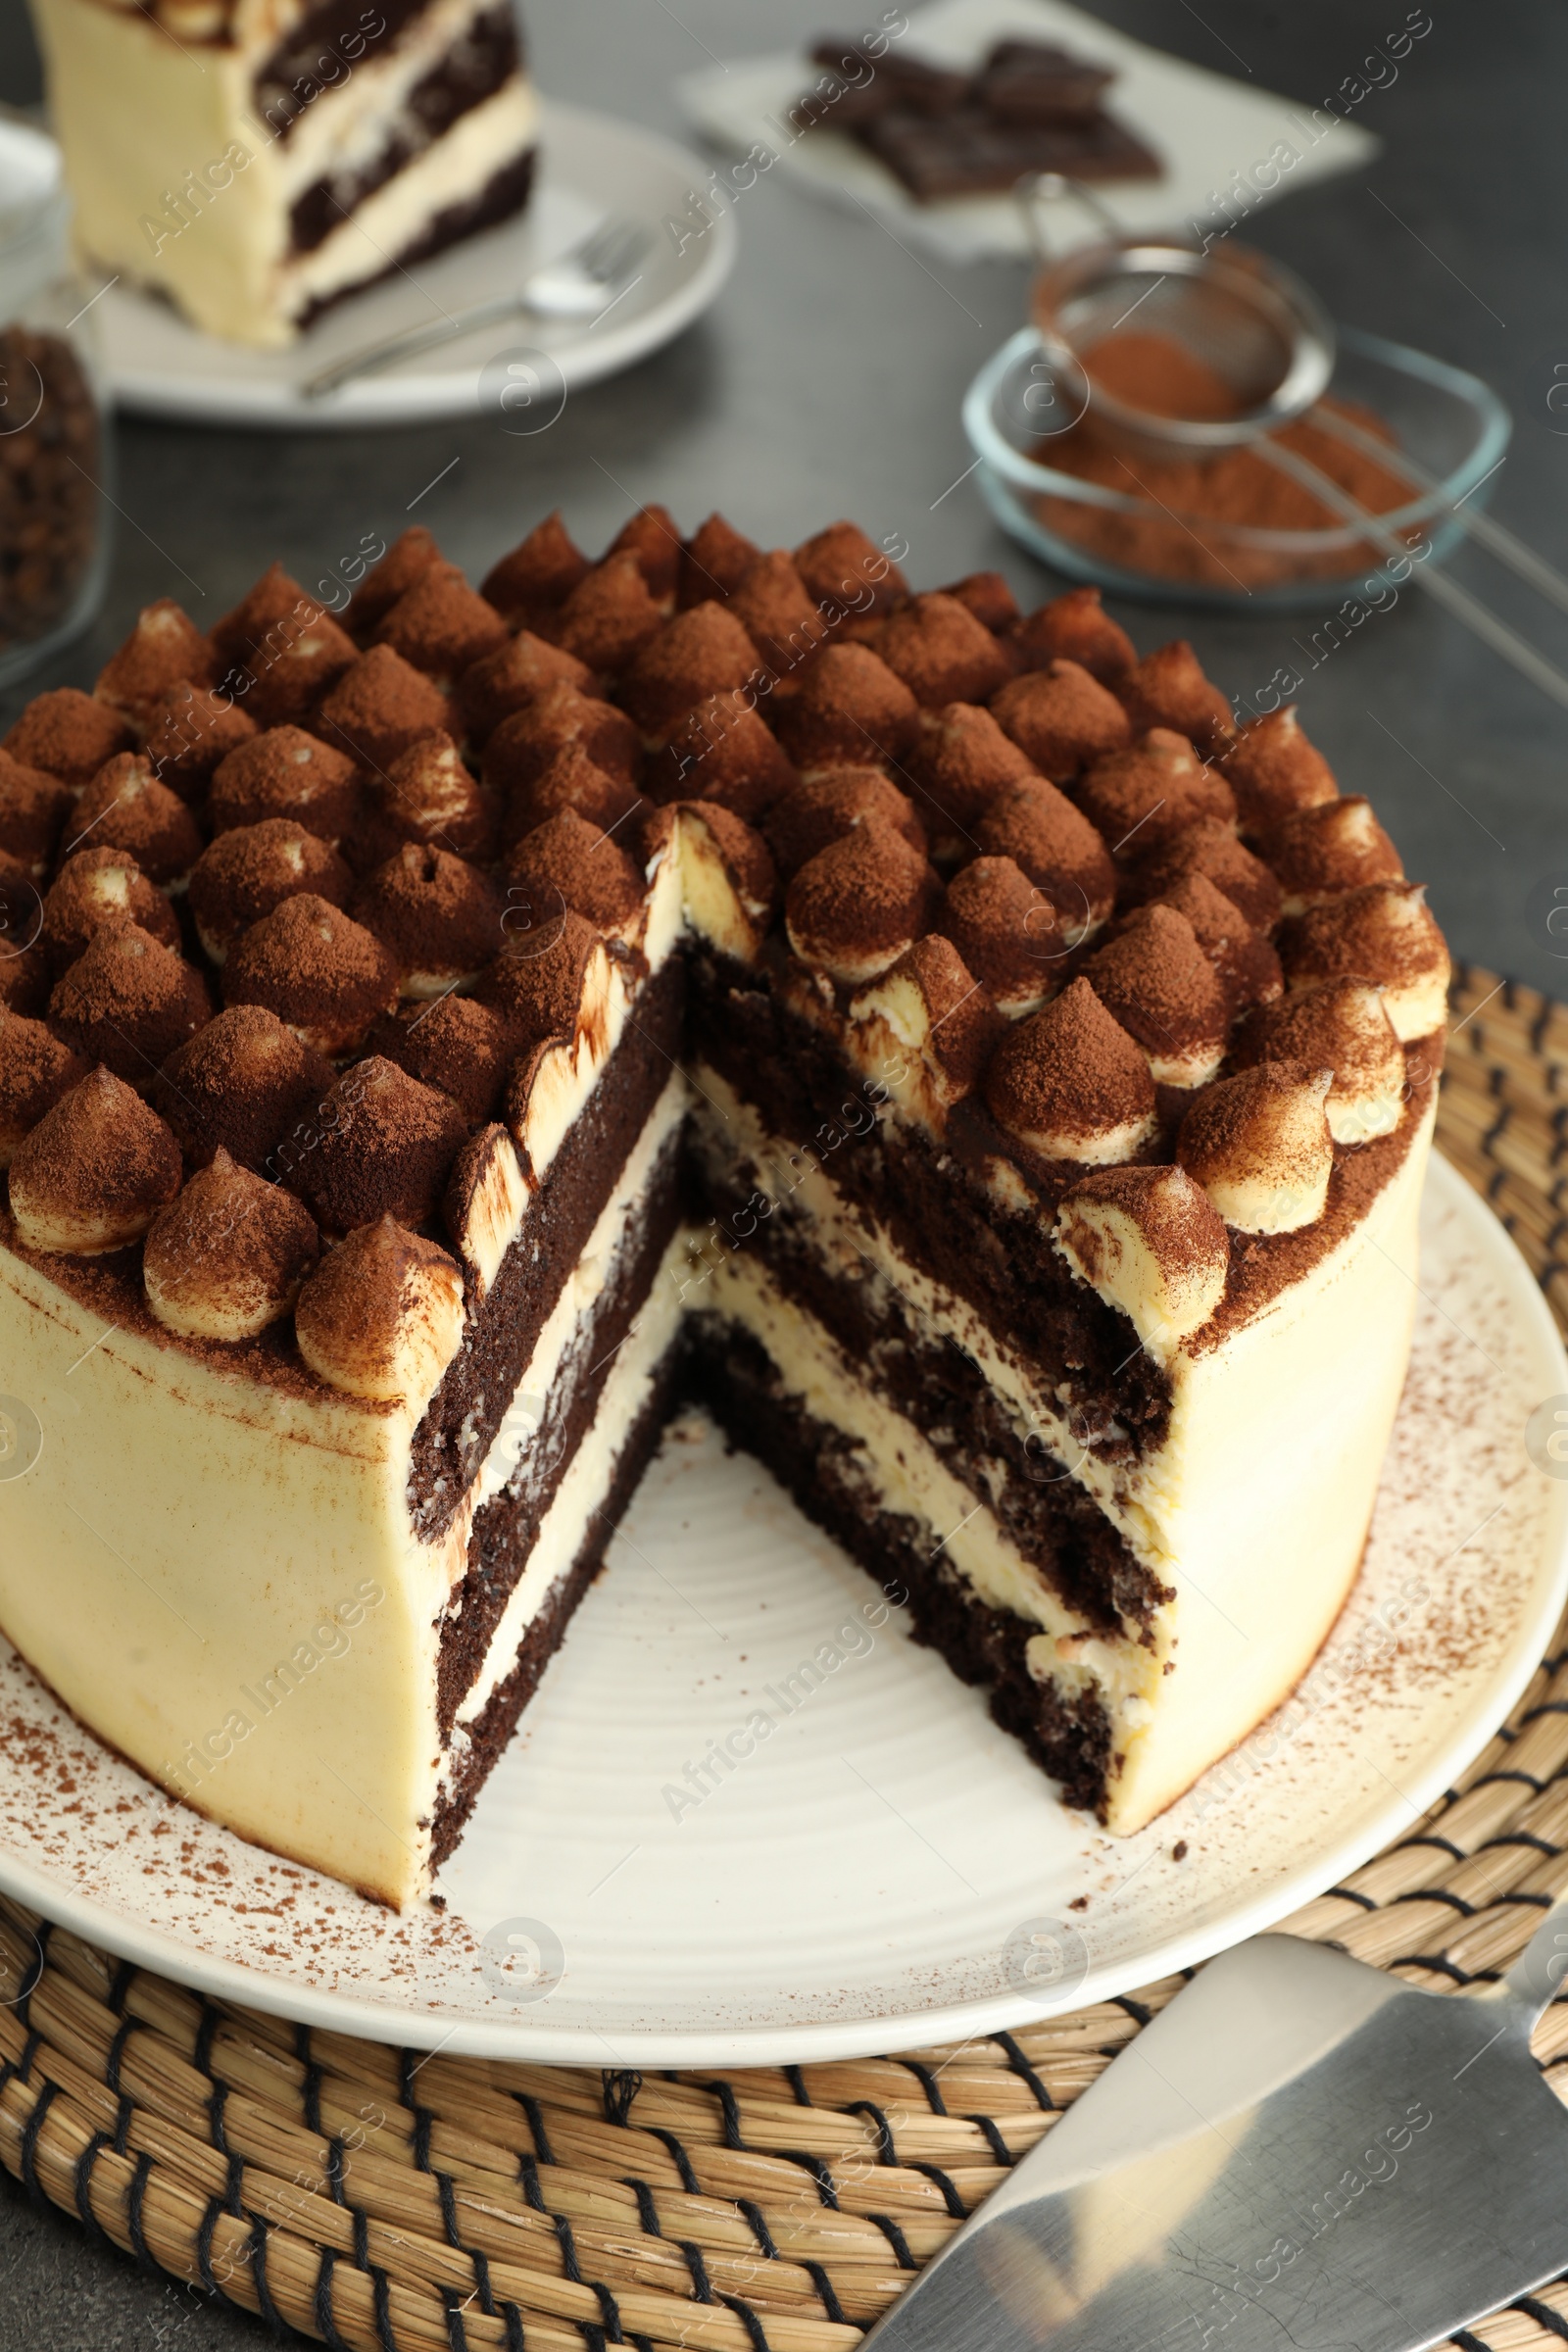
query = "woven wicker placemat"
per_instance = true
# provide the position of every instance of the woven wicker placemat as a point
(380, 2198)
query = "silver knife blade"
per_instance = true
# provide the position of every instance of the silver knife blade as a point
(1299, 2154)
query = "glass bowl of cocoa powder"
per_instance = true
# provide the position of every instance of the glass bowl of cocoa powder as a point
(1228, 530)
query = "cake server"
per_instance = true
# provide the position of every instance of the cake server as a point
(1299, 2154)
(576, 284)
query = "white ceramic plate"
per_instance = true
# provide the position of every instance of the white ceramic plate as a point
(887, 1868)
(590, 164)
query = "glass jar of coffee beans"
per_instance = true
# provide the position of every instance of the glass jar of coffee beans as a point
(54, 505)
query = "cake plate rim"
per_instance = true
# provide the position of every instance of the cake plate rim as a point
(527, 2034)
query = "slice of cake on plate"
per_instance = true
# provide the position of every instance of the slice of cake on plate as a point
(933, 1038)
(258, 159)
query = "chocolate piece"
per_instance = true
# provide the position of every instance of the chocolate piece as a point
(1274, 770)
(384, 1147)
(1075, 627)
(988, 597)
(831, 804)
(428, 795)
(125, 807)
(713, 562)
(191, 731)
(287, 772)
(36, 1068)
(381, 1316)
(778, 613)
(244, 874)
(701, 652)
(523, 746)
(164, 647)
(651, 538)
(437, 916)
(455, 1045)
(571, 781)
(440, 626)
(722, 753)
(33, 808)
(96, 888)
(609, 617)
(1146, 794)
(847, 572)
(851, 709)
(971, 152)
(538, 576)
(1260, 1145)
(1008, 932)
(94, 1172)
(1335, 847)
(942, 653)
(325, 975)
(514, 677)
(241, 1085)
(861, 903)
(1167, 688)
(569, 863)
(128, 1002)
(1208, 846)
(1070, 1083)
(407, 559)
(68, 734)
(1037, 81)
(1057, 848)
(380, 707)
(229, 1257)
(1156, 981)
(1063, 718)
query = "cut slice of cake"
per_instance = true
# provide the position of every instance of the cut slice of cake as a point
(937, 1041)
(258, 159)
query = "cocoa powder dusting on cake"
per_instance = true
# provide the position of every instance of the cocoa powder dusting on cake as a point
(1069, 1070)
(68, 734)
(240, 1084)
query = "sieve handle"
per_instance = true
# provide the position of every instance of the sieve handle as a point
(1476, 617)
(1036, 189)
(1481, 528)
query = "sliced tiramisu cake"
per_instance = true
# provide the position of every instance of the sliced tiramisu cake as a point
(258, 159)
(935, 1038)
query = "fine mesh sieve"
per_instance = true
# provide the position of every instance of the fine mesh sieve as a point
(1254, 324)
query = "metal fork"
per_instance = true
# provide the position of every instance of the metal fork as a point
(574, 286)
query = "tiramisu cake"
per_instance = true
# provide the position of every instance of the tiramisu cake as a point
(935, 1039)
(258, 159)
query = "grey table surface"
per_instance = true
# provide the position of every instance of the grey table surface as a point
(827, 382)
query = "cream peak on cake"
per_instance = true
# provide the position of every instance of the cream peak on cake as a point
(1049, 1066)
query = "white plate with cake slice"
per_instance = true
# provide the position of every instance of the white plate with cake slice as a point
(591, 167)
(881, 1867)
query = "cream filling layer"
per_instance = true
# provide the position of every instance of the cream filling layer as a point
(1254, 1510)
(569, 1522)
(450, 171)
(615, 1230)
(903, 1474)
(343, 130)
